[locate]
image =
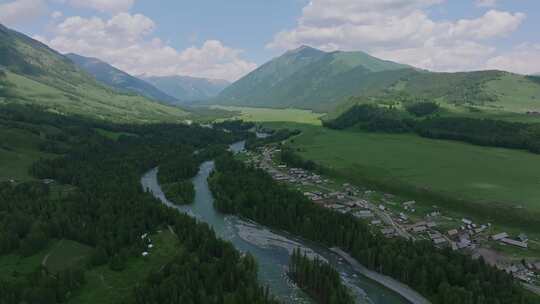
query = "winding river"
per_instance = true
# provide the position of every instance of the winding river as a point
(271, 249)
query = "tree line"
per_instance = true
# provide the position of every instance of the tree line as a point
(318, 279)
(108, 210)
(441, 275)
(484, 132)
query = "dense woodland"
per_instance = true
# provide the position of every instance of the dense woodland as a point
(293, 159)
(443, 276)
(108, 210)
(175, 175)
(484, 132)
(318, 279)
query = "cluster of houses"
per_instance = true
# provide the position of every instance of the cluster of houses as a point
(296, 175)
(467, 236)
(527, 272)
(464, 237)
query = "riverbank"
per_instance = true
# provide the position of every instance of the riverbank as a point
(271, 249)
(388, 282)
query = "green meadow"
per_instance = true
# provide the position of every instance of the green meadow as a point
(275, 115)
(471, 172)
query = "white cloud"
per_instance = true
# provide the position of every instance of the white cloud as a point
(399, 30)
(486, 3)
(109, 6)
(21, 11)
(524, 59)
(57, 14)
(126, 41)
(492, 24)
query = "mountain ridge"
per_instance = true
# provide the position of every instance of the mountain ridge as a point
(187, 89)
(118, 79)
(308, 78)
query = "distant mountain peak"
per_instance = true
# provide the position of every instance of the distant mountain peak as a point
(305, 49)
(118, 79)
(187, 88)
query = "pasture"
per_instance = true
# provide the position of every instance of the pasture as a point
(462, 170)
(275, 115)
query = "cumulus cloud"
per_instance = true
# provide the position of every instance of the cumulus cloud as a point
(21, 11)
(57, 14)
(524, 59)
(110, 6)
(486, 3)
(399, 30)
(126, 41)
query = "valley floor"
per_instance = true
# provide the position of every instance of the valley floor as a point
(502, 181)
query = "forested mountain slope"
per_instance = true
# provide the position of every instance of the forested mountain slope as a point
(118, 79)
(308, 78)
(32, 73)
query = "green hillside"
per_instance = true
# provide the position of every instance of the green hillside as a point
(307, 78)
(188, 89)
(113, 77)
(32, 73)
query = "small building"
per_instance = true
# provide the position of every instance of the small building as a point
(419, 229)
(466, 221)
(409, 203)
(144, 254)
(375, 222)
(439, 241)
(452, 232)
(387, 231)
(431, 224)
(382, 208)
(363, 214)
(514, 242)
(523, 237)
(499, 236)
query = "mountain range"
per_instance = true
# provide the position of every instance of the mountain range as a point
(120, 80)
(188, 89)
(309, 78)
(33, 73)
(304, 78)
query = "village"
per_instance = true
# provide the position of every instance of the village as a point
(392, 218)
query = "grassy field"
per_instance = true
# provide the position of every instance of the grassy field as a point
(14, 265)
(275, 115)
(92, 101)
(106, 286)
(471, 172)
(18, 150)
(65, 254)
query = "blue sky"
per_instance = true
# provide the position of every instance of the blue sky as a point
(227, 39)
